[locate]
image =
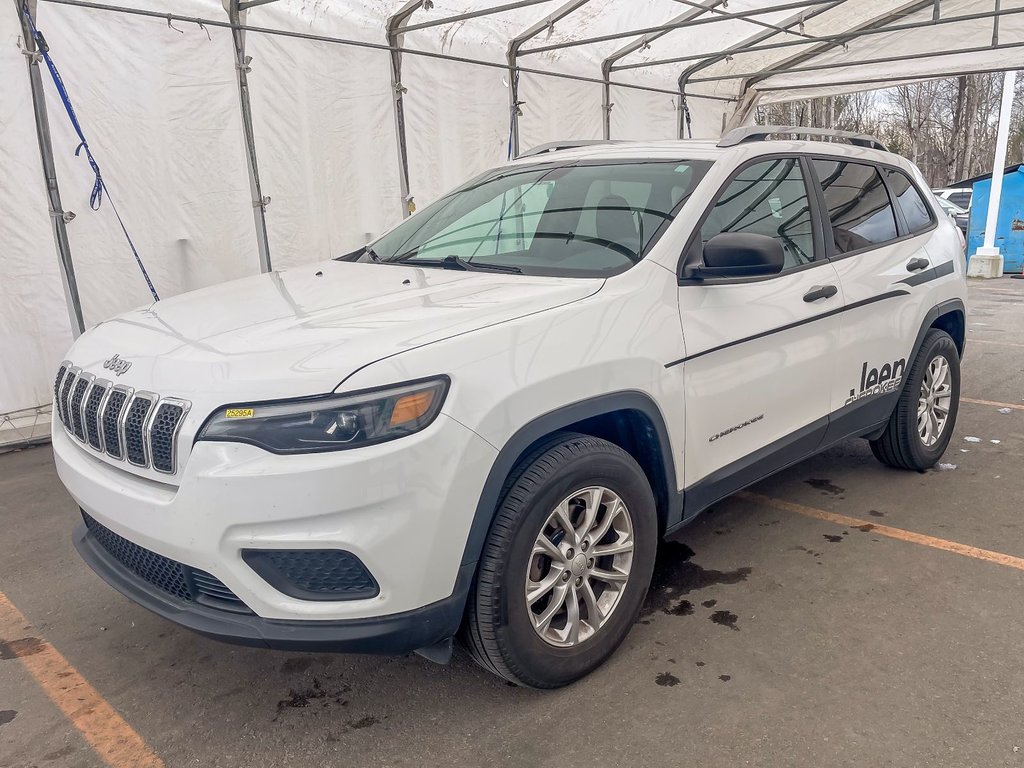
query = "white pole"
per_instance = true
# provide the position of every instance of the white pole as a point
(988, 261)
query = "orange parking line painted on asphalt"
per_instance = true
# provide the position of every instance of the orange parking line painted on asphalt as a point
(116, 742)
(884, 530)
(994, 404)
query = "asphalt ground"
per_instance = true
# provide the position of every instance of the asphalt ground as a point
(839, 613)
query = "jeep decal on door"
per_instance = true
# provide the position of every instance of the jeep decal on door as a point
(878, 381)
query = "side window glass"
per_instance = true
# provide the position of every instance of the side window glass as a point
(915, 211)
(858, 204)
(768, 198)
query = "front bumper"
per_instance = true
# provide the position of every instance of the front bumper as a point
(395, 634)
(404, 508)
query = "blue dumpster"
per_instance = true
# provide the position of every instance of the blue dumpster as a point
(1010, 230)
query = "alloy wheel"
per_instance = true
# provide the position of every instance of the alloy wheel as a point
(579, 566)
(934, 403)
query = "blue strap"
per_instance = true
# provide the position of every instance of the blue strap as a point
(99, 187)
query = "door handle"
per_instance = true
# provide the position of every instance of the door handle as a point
(917, 264)
(820, 292)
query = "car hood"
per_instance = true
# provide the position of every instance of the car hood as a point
(303, 331)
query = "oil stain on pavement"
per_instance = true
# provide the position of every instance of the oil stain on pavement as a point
(667, 679)
(675, 576)
(726, 619)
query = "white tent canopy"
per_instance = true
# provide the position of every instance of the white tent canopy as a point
(156, 89)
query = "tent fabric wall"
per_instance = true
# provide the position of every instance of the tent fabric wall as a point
(34, 326)
(159, 103)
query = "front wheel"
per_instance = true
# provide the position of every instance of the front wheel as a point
(921, 426)
(566, 565)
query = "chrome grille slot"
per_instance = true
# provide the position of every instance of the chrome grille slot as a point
(57, 382)
(114, 419)
(76, 402)
(111, 418)
(134, 428)
(165, 424)
(65, 394)
(91, 413)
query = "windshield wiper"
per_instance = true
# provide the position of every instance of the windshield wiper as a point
(457, 262)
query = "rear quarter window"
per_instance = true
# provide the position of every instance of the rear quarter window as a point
(916, 212)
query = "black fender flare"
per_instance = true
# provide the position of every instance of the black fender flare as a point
(560, 418)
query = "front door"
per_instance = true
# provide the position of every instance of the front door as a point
(760, 352)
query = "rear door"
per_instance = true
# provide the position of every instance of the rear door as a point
(879, 231)
(760, 352)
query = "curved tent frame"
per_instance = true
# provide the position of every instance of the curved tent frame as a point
(733, 53)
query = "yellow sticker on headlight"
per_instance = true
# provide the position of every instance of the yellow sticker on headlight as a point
(239, 413)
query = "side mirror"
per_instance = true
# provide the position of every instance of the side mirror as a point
(739, 254)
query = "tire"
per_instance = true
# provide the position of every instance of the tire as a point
(902, 445)
(501, 628)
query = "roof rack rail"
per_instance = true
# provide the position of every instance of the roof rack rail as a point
(762, 132)
(557, 146)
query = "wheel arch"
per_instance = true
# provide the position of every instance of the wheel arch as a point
(951, 317)
(630, 419)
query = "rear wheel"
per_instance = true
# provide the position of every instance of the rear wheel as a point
(921, 426)
(566, 565)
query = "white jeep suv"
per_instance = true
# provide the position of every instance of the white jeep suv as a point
(480, 425)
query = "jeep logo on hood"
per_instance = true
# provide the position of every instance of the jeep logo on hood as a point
(117, 365)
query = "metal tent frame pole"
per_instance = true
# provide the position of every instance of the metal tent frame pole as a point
(795, 20)
(640, 44)
(58, 216)
(512, 60)
(837, 39)
(259, 201)
(670, 26)
(394, 27)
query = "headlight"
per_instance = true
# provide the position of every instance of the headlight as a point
(331, 422)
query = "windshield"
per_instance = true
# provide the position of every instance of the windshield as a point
(583, 219)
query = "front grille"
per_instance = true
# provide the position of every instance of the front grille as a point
(141, 427)
(178, 580)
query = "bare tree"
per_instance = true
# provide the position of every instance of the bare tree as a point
(947, 127)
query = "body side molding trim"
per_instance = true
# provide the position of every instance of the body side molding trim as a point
(929, 274)
(790, 326)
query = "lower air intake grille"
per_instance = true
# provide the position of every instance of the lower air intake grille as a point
(313, 574)
(176, 579)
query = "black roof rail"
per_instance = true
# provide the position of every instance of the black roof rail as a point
(762, 132)
(557, 146)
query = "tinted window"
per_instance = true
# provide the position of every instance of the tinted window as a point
(963, 199)
(580, 219)
(858, 204)
(768, 198)
(915, 211)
